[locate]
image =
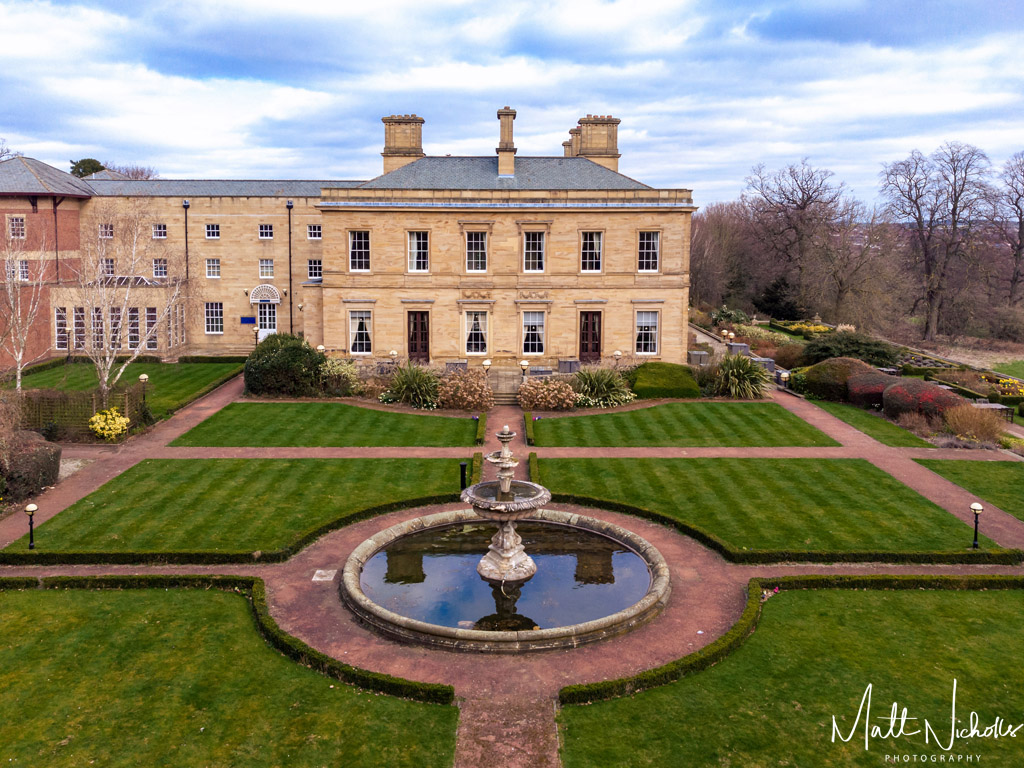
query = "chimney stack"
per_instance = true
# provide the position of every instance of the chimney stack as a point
(567, 149)
(598, 137)
(403, 140)
(506, 148)
(574, 140)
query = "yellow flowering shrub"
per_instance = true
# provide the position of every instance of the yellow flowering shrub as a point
(109, 425)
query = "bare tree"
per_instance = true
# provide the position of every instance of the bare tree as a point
(719, 253)
(1008, 222)
(22, 293)
(110, 290)
(6, 151)
(133, 171)
(939, 199)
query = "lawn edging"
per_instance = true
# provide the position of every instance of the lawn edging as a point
(254, 589)
(758, 589)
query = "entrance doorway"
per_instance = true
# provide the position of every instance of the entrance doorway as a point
(419, 336)
(266, 315)
(590, 337)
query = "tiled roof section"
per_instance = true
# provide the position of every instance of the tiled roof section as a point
(212, 187)
(106, 173)
(28, 176)
(537, 173)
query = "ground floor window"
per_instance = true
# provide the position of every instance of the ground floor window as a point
(133, 328)
(533, 333)
(79, 327)
(115, 327)
(359, 332)
(60, 324)
(214, 317)
(97, 328)
(647, 333)
(151, 339)
(476, 333)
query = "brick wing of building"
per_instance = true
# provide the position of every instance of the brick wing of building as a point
(440, 259)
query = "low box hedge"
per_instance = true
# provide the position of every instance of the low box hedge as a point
(528, 429)
(657, 380)
(240, 359)
(534, 468)
(481, 429)
(476, 468)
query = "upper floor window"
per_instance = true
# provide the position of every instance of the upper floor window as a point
(533, 333)
(590, 253)
(159, 267)
(419, 252)
(213, 231)
(159, 231)
(359, 251)
(106, 231)
(107, 267)
(314, 269)
(213, 268)
(314, 231)
(533, 251)
(16, 226)
(266, 231)
(649, 254)
(23, 271)
(476, 251)
(266, 267)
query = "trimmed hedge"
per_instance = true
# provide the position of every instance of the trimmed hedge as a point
(748, 621)
(850, 344)
(240, 359)
(827, 379)
(534, 468)
(528, 431)
(481, 429)
(656, 380)
(476, 468)
(865, 389)
(916, 396)
(255, 590)
(34, 464)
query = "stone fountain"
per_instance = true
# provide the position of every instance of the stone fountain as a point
(505, 501)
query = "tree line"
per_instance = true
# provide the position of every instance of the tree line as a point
(942, 253)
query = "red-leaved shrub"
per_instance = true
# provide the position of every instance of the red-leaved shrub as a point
(865, 389)
(916, 396)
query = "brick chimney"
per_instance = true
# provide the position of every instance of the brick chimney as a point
(403, 140)
(506, 148)
(599, 140)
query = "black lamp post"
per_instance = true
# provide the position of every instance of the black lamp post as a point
(291, 325)
(976, 508)
(30, 510)
(185, 206)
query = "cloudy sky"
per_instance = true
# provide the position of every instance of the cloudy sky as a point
(705, 90)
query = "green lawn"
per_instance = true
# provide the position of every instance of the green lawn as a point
(1013, 367)
(233, 505)
(997, 482)
(181, 677)
(838, 505)
(874, 425)
(325, 424)
(694, 425)
(772, 701)
(170, 386)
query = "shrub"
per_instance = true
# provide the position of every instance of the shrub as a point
(652, 380)
(741, 378)
(413, 385)
(726, 315)
(32, 465)
(109, 425)
(789, 356)
(284, 365)
(601, 388)
(827, 379)
(546, 395)
(865, 389)
(915, 422)
(847, 344)
(465, 391)
(966, 421)
(339, 378)
(916, 396)
(761, 333)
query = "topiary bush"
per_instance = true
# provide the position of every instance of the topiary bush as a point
(32, 464)
(827, 379)
(413, 385)
(601, 388)
(916, 396)
(848, 344)
(865, 389)
(284, 365)
(653, 380)
(740, 378)
(546, 395)
(465, 391)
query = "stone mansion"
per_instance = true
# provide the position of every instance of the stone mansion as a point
(439, 259)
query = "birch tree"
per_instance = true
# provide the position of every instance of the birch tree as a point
(22, 294)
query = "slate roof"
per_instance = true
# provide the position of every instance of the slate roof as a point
(28, 176)
(106, 173)
(212, 187)
(534, 173)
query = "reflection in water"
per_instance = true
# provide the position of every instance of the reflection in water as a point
(431, 576)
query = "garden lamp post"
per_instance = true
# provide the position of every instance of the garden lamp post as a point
(976, 508)
(784, 378)
(525, 365)
(617, 354)
(255, 337)
(320, 348)
(393, 354)
(143, 378)
(487, 367)
(732, 337)
(30, 510)
(725, 335)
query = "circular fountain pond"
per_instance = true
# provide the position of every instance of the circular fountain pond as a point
(420, 581)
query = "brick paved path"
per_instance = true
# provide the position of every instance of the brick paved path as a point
(507, 703)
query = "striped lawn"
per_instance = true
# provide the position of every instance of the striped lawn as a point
(873, 425)
(233, 505)
(838, 505)
(181, 678)
(997, 482)
(694, 425)
(325, 425)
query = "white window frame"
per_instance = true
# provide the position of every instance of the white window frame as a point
(266, 269)
(115, 327)
(159, 267)
(61, 337)
(474, 233)
(133, 328)
(469, 316)
(23, 272)
(213, 269)
(596, 238)
(106, 231)
(543, 330)
(314, 232)
(213, 231)
(16, 227)
(419, 251)
(78, 317)
(266, 231)
(355, 316)
(363, 235)
(107, 267)
(152, 337)
(528, 253)
(314, 269)
(641, 253)
(214, 317)
(159, 231)
(647, 313)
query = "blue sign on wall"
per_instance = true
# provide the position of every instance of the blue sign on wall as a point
(248, 321)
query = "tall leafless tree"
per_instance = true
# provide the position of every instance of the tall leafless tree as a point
(719, 253)
(1008, 223)
(939, 200)
(22, 295)
(6, 151)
